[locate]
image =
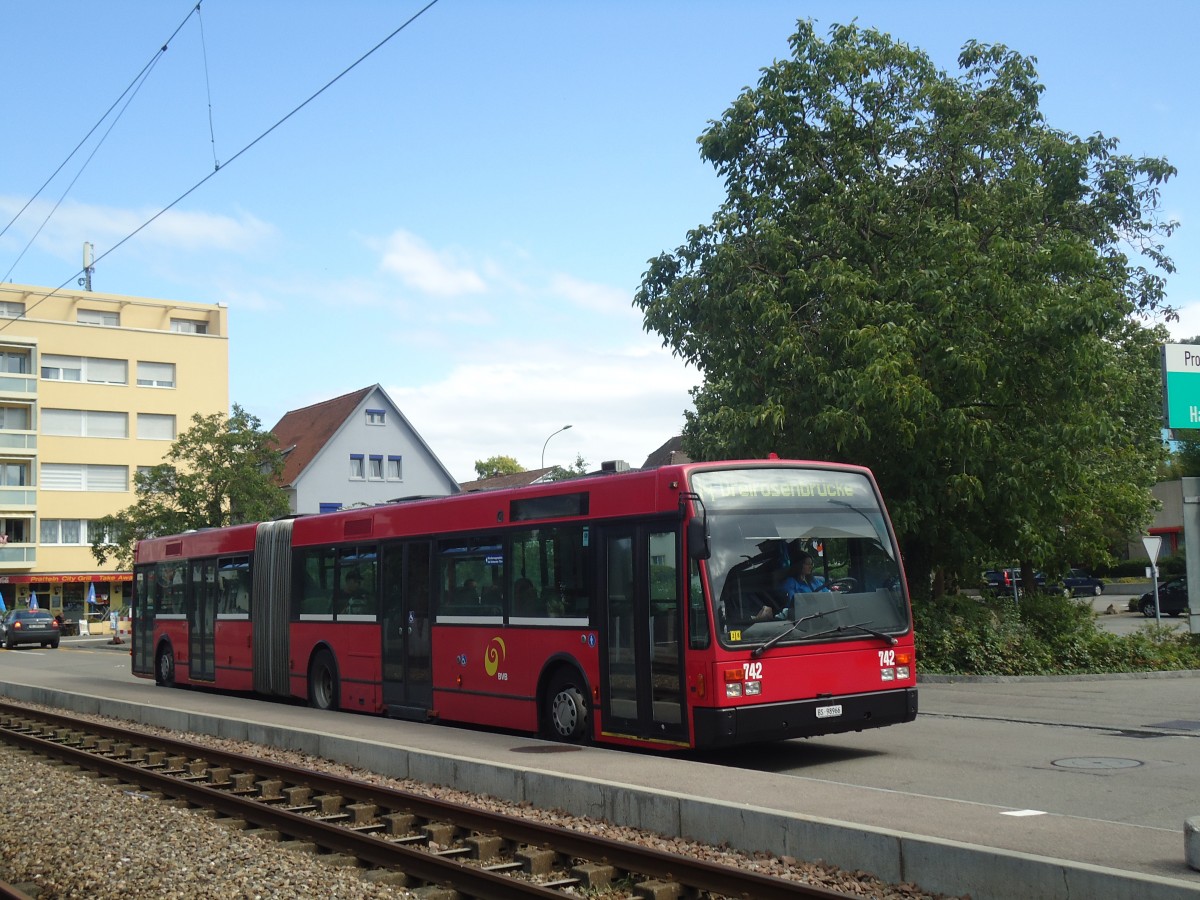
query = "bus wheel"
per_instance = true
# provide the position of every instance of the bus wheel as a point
(164, 668)
(566, 708)
(323, 682)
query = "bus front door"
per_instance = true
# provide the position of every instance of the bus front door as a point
(642, 668)
(407, 580)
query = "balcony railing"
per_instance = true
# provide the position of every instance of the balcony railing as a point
(17, 556)
(18, 440)
(18, 497)
(23, 386)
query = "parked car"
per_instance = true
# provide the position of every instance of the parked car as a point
(1079, 583)
(1001, 580)
(29, 626)
(1172, 599)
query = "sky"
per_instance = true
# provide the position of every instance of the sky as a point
(465, 215)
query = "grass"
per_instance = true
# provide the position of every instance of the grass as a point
(1043, 635)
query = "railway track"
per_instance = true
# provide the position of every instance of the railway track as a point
(476, 853)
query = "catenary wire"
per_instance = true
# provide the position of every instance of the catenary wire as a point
(7, 322)
(82, 169)
(136, 79)
(212, 135)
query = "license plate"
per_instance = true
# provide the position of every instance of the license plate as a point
(829, 712)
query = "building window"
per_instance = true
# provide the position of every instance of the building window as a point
(84, 477)
(69, 531)
(85, 423)
(395, 468)
(155, 427)
(13, 362)
(98, 317)
(154, 479)
(16, 531)
(11, 309)
(376, 416)
(156, 374)
(94, 370)
(189, 326)
(62, 368)
(357, 471)
(14, 418)
(14, 474)
(375, 472)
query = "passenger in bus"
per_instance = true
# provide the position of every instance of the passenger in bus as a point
(525, 599)
(351, 597)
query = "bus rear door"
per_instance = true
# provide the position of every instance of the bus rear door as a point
(407, 580)
(642, 666)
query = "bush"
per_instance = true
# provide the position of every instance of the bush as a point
(1043, 635)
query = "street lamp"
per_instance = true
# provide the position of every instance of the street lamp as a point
(560, 431)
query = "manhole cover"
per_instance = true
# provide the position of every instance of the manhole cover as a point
(1096, 762)
(554, 748)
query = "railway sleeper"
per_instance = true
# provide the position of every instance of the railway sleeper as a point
(596, 876)
(660, 890)
(441, 834)
(329, 804)
(244, 783)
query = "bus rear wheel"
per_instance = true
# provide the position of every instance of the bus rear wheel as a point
(323, 682)
(164, 667)
(567, 716)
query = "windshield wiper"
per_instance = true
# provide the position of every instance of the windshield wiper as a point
(861, 626)
(763, 648)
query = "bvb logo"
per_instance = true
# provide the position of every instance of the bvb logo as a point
(496, 652)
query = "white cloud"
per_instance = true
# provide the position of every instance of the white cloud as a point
(104, 226)
(621, 404)
(600, 298)
(430, 271)
(1188, 325)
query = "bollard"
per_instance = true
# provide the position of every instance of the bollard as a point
(1191, 842)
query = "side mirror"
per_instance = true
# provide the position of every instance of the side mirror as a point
(697, 538)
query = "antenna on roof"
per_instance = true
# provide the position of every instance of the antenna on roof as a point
(88, 265)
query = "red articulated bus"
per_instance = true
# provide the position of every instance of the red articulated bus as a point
(698, 605)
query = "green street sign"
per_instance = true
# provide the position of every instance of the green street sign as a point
(1181, 385)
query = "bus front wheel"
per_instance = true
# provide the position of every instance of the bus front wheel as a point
(323, 682)
(566, 708)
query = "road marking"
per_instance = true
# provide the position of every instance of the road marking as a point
(1023, 812)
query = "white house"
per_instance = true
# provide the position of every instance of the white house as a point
(357, 449)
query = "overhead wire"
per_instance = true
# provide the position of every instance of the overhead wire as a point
(5, 323)
(136, 79)
(212, 135)
(78, 174)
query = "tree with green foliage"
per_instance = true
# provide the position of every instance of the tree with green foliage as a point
(914, 271)
(497, 465)
(561, 473)
(223, 470)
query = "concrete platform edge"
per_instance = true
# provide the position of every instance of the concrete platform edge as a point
(936, 865)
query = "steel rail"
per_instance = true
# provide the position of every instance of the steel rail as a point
(700, 875)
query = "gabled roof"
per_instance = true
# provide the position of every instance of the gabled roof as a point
(516, 479)
(668, 454)
(301, 433)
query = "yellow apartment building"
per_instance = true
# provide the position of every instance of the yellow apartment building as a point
(92, 387)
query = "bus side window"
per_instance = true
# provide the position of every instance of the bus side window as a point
(316, 586)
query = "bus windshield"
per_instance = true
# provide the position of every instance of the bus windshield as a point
(802, 551)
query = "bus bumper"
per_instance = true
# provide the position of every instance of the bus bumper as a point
(780, 721)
